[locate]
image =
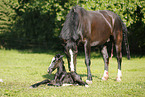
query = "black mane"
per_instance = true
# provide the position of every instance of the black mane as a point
(71, 25)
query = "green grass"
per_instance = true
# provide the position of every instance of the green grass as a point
(20, 69)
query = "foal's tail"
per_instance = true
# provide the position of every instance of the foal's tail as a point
(124, 28)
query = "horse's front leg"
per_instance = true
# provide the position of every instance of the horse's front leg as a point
(72, 58)
(106, 61)
(87, 48)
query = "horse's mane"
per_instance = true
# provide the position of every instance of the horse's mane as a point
(71, 24)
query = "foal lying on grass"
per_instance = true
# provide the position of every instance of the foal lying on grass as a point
(61, 75)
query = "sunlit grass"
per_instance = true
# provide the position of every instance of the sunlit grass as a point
(20, 69)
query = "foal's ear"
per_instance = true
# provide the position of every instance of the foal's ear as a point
(61, 56)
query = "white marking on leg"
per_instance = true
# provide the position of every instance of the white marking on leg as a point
(119, 75)
(71, 62)
(105, 76)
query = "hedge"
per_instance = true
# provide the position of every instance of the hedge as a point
(37, 23)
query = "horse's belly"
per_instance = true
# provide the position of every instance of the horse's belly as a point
(100, 40)
(97, 43)
(100, 36)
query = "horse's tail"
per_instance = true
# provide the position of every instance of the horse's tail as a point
(125, 39)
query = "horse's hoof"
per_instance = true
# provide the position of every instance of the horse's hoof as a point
(89, 81)
(118, 79)
(105, 78)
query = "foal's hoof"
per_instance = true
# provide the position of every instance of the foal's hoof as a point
(67, 85)
(1, 80)
(89, 81)
(118, 79)
(87, 86)
(31, 87)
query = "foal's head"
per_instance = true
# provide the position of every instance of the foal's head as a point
(56, 61)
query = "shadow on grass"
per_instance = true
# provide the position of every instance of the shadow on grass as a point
(81, 53)
(47, 76)
(95, 76)
(51, 76)
(85, 75)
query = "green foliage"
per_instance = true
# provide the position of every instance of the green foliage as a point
(37, 23)
(125, 9)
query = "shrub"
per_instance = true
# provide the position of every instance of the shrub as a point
(37, 23)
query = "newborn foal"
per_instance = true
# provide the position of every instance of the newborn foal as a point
(61, 75)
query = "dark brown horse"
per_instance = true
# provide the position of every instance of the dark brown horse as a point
(93, 28)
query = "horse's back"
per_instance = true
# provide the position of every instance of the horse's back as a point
(101, 27)
(103, 24)
(113, 19)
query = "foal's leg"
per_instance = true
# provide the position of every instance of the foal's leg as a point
(87, 61)
(39, 83)
(106, 61)
(77, 78)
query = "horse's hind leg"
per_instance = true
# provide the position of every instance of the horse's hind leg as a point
(119, 60)
(118, 37)
(118, 45)
(106, 61)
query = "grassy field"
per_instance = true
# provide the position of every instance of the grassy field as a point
(20, 69)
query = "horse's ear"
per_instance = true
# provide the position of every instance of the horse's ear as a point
(74, 9)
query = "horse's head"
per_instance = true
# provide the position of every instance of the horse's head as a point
(71, 26)
(71, 34)
(56, 61)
